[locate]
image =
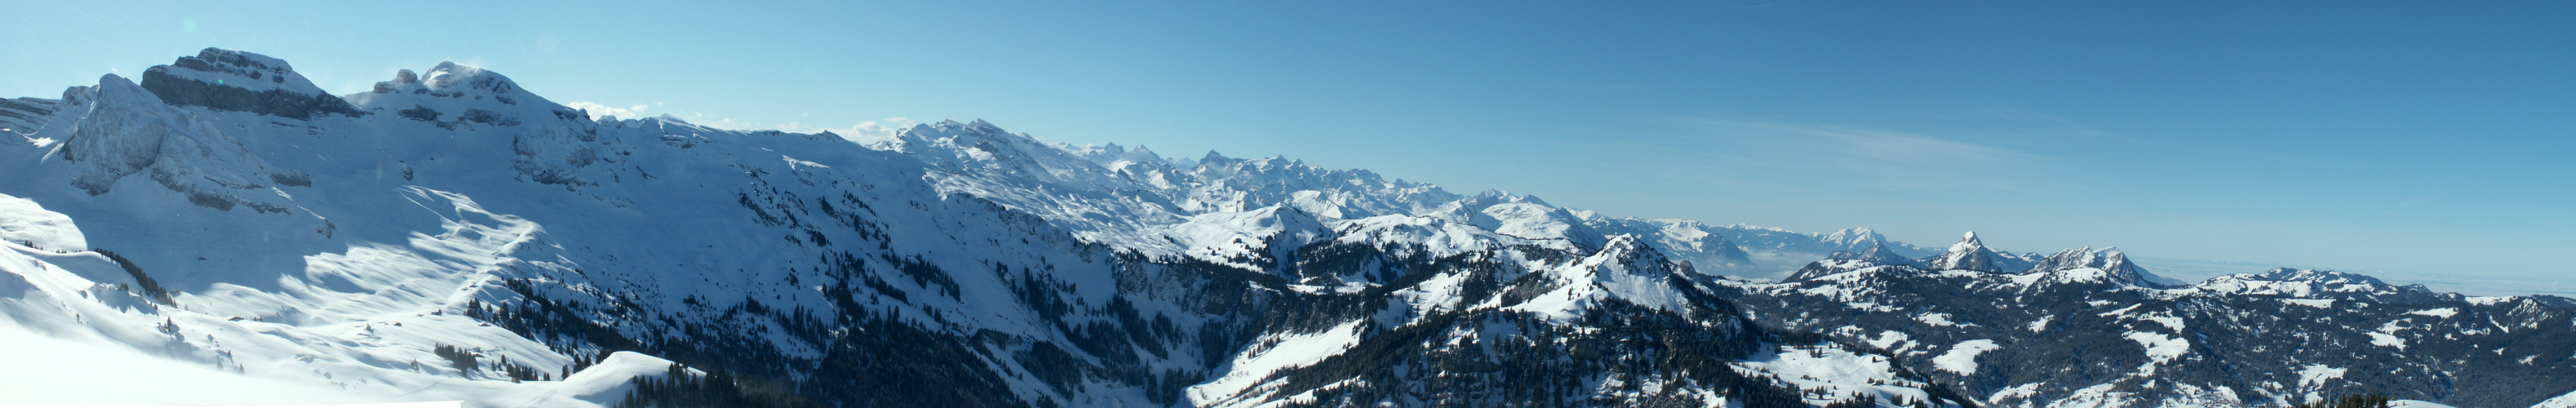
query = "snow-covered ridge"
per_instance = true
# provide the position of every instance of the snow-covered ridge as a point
(350, 240)
(453, 207)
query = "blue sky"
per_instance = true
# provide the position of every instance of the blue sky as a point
(2417, 137)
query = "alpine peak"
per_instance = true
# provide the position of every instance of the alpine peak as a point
(230, 80)
(1969, 254)
(238, 69)
(1855, 240)
(2109, 260)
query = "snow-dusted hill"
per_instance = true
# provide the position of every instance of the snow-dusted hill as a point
(449, 234)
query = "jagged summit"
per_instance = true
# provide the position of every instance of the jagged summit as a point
(2087, 265)
(1114, 156)
(238, 69)
(230, 80)
(2109, 260)
(979, 146)
(1855, 240)
(1969, 254)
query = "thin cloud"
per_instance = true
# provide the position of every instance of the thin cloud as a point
(1882, 145)
(597, 110)
(2050, 126)
(863, 132)
(1894, 146)
(1836, 156)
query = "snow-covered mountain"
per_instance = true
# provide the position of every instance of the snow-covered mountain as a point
(449, 234)
(1775, 253)
(452, 235)
(2086, 327)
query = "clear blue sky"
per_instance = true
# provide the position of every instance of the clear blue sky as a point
(2417, 136)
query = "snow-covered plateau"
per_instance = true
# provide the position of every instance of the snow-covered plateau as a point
(224, 232)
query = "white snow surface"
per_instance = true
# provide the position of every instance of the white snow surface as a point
(2317, 375)
(2315, 303)
(1962, 358)
(2445, 313)
(2386, 340)
(2160, 348)
(1243, 384)
(1839, 370)
(2407, 403)
(24, 222)
(2562, 401)
(73, 371)
(74, 311)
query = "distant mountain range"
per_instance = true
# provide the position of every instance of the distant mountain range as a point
(449, 235)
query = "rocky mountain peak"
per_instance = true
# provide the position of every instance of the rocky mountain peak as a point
(1969, 254)
(1854, 239)
(2109, 260)
(230, 80)
(239, 69)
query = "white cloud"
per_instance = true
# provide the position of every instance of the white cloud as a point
(864, 132)
(1892, 146)
(597, 110)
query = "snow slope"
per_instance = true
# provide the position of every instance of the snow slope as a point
(81, 312)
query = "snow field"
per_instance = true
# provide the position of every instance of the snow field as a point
(1842, 372)
(1269, 355)
(1962, 358)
